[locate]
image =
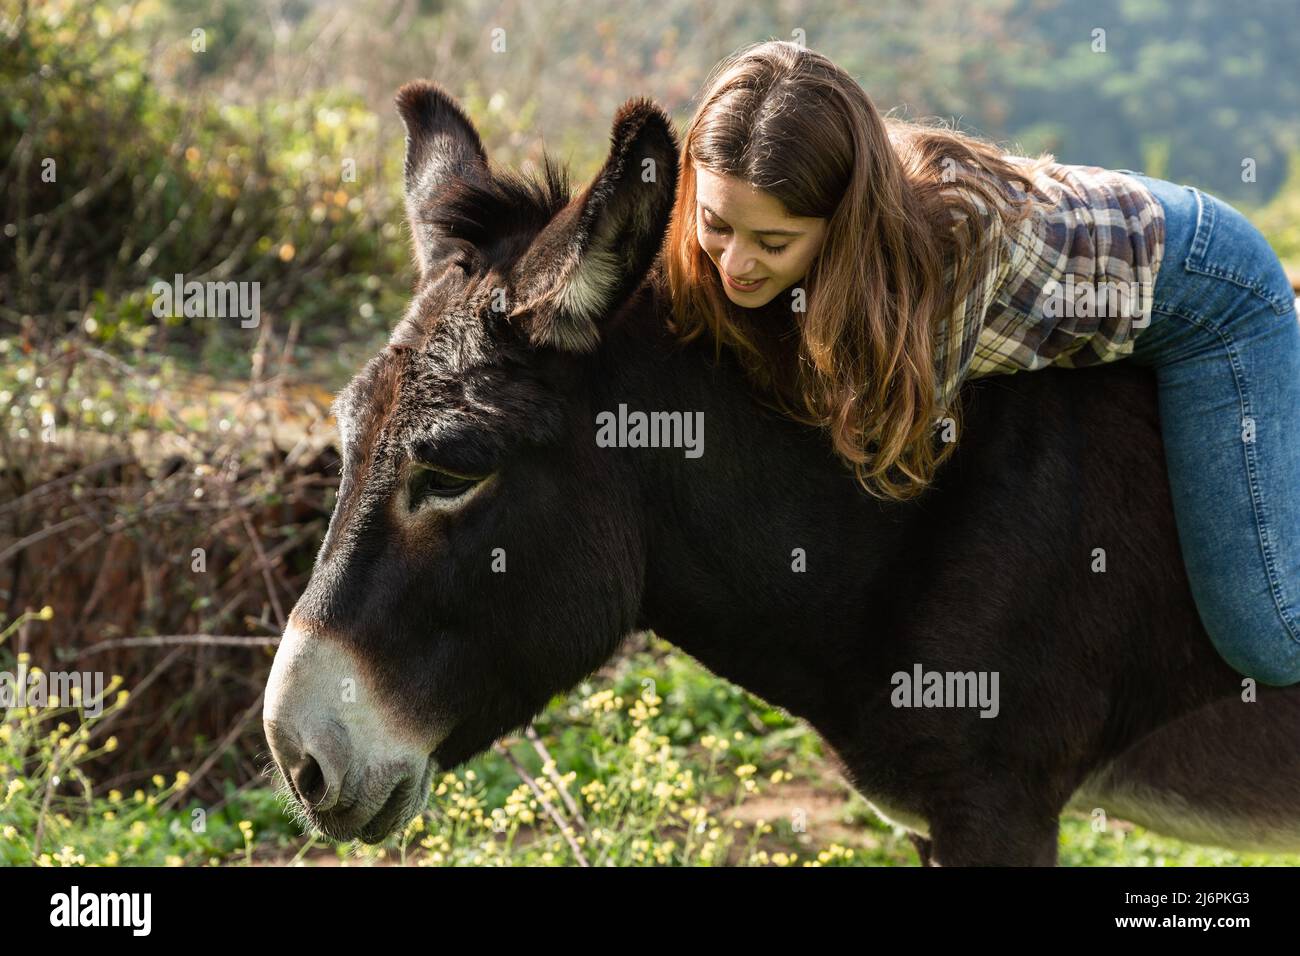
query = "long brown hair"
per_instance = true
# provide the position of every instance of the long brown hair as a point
(902, 248)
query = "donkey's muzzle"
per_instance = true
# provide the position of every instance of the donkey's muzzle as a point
(357, 769)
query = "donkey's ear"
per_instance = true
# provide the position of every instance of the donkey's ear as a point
(441, 145)
(593, 255)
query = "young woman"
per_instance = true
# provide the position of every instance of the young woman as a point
(863, 267)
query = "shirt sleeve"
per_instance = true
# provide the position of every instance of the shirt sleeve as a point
(957, 334)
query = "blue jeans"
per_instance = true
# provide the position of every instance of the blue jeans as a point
(1224, 342)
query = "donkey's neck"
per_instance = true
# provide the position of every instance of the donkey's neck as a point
(756, 546)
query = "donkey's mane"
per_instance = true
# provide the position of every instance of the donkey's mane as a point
(506, 203)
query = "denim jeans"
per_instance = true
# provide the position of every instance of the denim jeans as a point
(1224, 342)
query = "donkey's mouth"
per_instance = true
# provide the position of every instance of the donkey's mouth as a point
(392, 814)
(354, 820)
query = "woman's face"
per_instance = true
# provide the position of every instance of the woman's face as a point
(759, 249)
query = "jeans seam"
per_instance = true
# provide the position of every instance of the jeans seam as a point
(1277, 305)
(1200, 238)
(1207, 215)
(1260, 510)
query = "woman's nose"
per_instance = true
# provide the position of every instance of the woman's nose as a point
(736, 261)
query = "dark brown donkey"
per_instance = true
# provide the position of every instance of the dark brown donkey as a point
(488, 551)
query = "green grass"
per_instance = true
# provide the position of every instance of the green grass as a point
(667, 766)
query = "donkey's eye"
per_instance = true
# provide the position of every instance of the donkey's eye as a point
(427, 482)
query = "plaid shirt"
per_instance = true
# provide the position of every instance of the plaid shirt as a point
(1071, 285)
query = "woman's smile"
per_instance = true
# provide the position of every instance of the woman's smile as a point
(744, 286)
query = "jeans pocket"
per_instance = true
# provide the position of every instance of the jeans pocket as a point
(1227, 246)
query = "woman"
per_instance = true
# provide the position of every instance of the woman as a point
(862, 268)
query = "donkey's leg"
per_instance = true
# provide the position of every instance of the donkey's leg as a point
(993, 835)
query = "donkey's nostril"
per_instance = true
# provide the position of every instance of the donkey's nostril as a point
(314, 762)
(318, 772)
(310, 781)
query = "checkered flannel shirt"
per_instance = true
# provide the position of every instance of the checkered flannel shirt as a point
(1030, 308)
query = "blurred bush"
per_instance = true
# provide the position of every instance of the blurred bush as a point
(169, 531)
(113, 185)
(1279, 220)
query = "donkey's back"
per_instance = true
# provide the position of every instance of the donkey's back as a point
(1045, 552)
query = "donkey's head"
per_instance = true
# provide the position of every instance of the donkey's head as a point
(483, 555)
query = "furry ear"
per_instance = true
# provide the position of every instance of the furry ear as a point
(442, 145)
(595, 253)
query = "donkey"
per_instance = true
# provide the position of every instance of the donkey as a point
(487, 552)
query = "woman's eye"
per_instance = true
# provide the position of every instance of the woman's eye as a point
(426, 482)
(710, 225)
